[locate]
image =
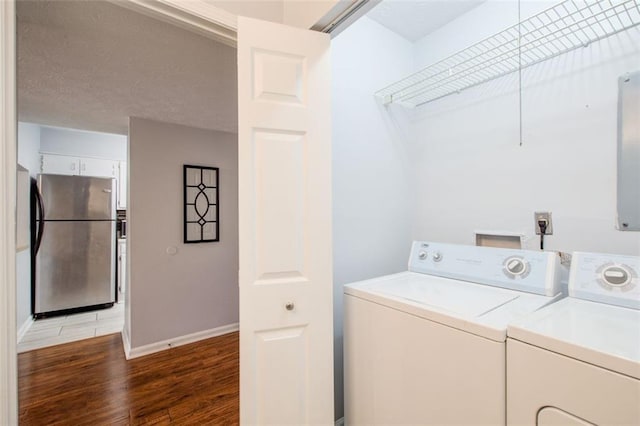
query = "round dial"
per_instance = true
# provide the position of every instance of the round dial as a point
(437, 256)
(516, 267)
(617, 276)
(422, 255)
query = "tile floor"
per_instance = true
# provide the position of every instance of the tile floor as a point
(70, 328)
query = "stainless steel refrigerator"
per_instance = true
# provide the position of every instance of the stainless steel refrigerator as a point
(73, 244)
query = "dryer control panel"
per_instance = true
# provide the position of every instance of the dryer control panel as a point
(523, 270)
(606, 278)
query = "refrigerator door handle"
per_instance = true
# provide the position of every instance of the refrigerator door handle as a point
(40, 219)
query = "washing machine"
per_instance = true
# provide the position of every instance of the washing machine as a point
(577, 362)
(427, 346)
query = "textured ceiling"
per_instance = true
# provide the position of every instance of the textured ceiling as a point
(414, 19)
(92, 64)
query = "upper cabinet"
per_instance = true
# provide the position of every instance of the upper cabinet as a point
(69, 165)
(84, 166)
(60, 164)
(98, 167)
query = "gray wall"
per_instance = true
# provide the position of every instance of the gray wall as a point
(196, 289)
(371, 177)
(29, 158)
(29, 147)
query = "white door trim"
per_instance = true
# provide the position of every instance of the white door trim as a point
(206, 19)
(8, 158)
(193, 15)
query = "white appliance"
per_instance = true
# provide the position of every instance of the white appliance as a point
(427, 346)
(577, 362)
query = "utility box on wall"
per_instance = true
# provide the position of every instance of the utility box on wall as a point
(629, 152)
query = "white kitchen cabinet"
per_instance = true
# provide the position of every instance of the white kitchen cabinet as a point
(23, 188)
(122, 185)
(86, 166)
(122, 267)
(60, 164)
(98, 167)
(83, 166)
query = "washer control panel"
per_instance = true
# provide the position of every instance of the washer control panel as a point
(524, 270)
(606, 278)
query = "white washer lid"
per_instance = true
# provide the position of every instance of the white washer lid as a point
(600, 334)
(478, 309)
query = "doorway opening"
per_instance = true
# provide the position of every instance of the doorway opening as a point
(98, 68)
(71, 278)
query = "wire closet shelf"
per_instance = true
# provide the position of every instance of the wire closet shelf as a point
(557, 30)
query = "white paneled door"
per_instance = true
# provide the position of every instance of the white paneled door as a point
(286, 332)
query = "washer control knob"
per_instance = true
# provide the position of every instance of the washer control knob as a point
(616, 276)
(422, 255)
(437, 256)
(516, 266)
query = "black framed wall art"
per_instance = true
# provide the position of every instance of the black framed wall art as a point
(201, 204)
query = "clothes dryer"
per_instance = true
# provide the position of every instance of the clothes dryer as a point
(577, 362)
(427, 346)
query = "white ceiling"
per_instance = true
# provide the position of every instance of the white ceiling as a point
(413, 19)
(91, 64)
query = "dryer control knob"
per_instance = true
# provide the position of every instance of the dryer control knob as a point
(437, 256)
(616, 276)
(516, 266)
(422, 255)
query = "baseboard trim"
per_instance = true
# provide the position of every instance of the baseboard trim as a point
(149, 349)
(340, 421)
(24, 328)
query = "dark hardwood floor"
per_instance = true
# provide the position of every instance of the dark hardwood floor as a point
(91, 383)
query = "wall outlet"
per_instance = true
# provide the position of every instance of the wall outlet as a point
(546, 216)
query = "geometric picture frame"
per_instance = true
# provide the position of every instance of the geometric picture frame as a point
(201, 204)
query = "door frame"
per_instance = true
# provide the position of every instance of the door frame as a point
(195, 15)
(8, 169)
(205, 19)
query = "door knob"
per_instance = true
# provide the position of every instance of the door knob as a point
(289, 306)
